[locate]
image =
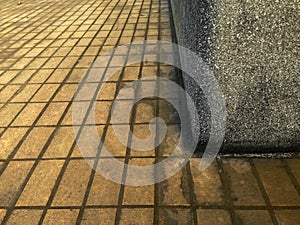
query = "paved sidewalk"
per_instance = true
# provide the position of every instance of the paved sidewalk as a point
(46, 47)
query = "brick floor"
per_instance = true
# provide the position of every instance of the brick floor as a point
(46, 47)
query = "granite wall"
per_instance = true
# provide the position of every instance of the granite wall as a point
(253, 48)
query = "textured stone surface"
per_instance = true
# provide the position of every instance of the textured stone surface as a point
(99, 216)
(129, 216)
(248, 217)
(280, 190)
(25, 216)
(61, 216)
(211, 217)
(243, 185)
(251, 46)
(9, 184)
(43, 176)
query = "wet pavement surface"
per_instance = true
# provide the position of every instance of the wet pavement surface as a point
(46, 47)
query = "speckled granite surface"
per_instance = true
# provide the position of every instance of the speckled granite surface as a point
(253, 48)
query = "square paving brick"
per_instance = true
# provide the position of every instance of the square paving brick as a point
(149, 71)
(63, 51)
(122, 51)
(212, 217)
(34, 143)
(167, 72)
(117, 116)
(8, 76)
(127, 91)
(175, 215)
(10, 63)
(169, 143)
(113, 144)
(8, 113)
(68, 118)
(131, 73)
(40, 184)
(61, 216)
(88, 149)
(249, 217)
(288, 217)
(26, 93)
(114, 75)
(76, 51)
(52, 114)
(9, 140)
(34, 52)
(85, 62)
(167, 112)
(60, 145)
(58, 75)
(140, 195)
(75, 76)
(105, 216)
(143, 195)
(280, 190)
(87, 92)
(148, 88)
(91, 75)
(143, 132)
(92, 51)
(68, 62)
(145, 111)
(25, 216)
(40, 76)
(73, 185)
(84, 42)
(29, 114)
(48, 52)
(45, 93)
(102, 110)
(66, 92)
(168, 91)
(7, 92)
(21, 52)
(207, 184)
(294, 164)
(174, 191)
(136, 216)
(22, 63)
(53, 62)
(103, 192)
(36, 63)
(107, 91)
(11, 180)
(243, 185)
(23, 76)
(117, 60)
